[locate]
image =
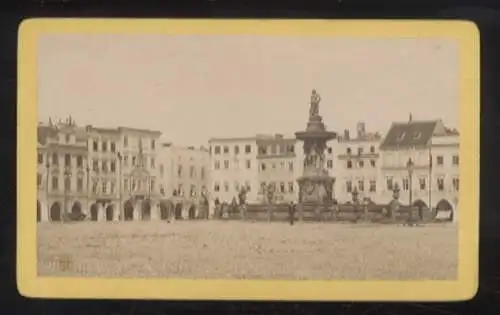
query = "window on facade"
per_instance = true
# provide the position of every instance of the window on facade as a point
(133, 160)
(113, 166)
(373, 186)
(95, 146)
(291, 148)
(55, 159)
(217, 149)
(456, 183)
(282, 164)
(263, 166)
(226, 164)
(361, 164)
(290, 166)
(226, 186)
(373, 163)
(191, 171)
(406, 184)
(153, 144)
(79, 161)
(153, 163)
(216, 187)
(329, 164)
(125, 160)
(349, 150)
(262, 187)
(104, 166)
(290, 187)
(236, 150)
(361, 185)
(192, 191)
(94, 187)
(249, 164)
(348, 186)
(125, 141)
(439, 160)
(104, 187)
(360, 150)
(349, 164)
(329, 150)
(113, 146)
(68, 138)
(440, 184)
(248, 148)
(282, 187)
(55, 183)
(67, 184)
(262, 150)
(79, 184)
(179, 170)
(389, 183)
(422, 183)
(40, 158)
(236, 186)
(104, 146)
(217, 165)
(372, 149)
(226, 149)
(95, 165)
(162, 190)
(455, 160)
(38, 179)
(67, 160)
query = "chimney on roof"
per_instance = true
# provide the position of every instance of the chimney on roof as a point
(361, 129)
(346, 134)
(410, 118)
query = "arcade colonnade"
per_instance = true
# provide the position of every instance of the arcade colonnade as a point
(139, 210)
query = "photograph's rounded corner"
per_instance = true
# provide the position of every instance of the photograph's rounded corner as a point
(26, 288)
(27, 26)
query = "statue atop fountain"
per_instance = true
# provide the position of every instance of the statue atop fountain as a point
(315, 181)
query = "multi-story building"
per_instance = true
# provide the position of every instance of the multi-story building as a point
(184, 173)
(358, 164)
(233, 164)
(62, 175)
(422, 157)
(278, 166)
(108, 174)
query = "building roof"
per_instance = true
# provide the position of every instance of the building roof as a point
(45, 132)
(410, 134)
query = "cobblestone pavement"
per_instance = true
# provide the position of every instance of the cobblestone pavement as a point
(245, 250)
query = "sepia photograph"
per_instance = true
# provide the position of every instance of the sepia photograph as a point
(248, 157)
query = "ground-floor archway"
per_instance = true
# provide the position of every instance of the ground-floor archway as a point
(419, 204)
(55, 212)
(178, 211)
(38, 211)
(76, 209)
(128, 211)
(164, 211)
(109, 212)
(94, 212)
(445, 206)
(192, 212)
(146, 210)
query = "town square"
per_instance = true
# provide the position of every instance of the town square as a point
(317, 183)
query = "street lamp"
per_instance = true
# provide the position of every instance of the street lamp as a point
(47, 171)
(409, 166)
(67, 183)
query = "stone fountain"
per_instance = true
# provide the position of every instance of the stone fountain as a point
(315, 184)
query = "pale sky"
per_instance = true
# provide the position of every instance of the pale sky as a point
(193, 88)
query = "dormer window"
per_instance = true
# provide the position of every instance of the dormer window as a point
(401, 137)
(417, 135)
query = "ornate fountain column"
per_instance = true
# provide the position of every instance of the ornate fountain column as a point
(315, 185)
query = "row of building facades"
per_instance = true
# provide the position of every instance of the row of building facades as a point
(101, 171)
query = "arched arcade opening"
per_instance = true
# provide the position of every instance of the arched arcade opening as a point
(110, 210)
(146, 210)
(94, 212)
(55, 212)
(128, 211)
(192, 212)
(178, 211)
